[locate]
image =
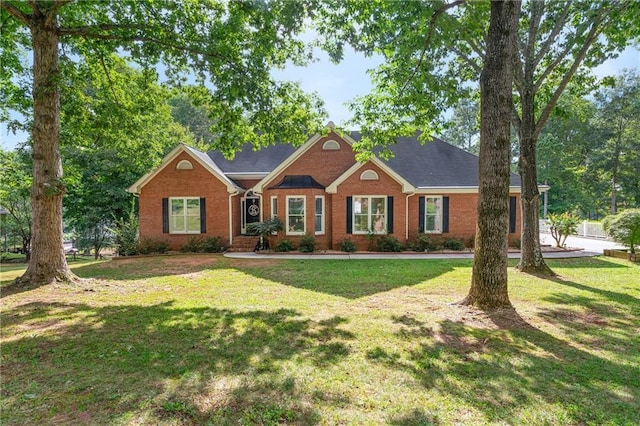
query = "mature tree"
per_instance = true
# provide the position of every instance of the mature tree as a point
(413, 87)
(619, 118)
(194, 117)
(15, 181)
(570, 131)
(489, 279)
(116, 125)
(232, 44)
(463, 129)
(599, 138)
(559, 42)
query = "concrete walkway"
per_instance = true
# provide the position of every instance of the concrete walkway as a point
(348, 256)
(577, 247)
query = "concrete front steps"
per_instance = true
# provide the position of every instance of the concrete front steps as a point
(243, 243)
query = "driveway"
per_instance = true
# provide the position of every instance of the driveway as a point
(596, 245)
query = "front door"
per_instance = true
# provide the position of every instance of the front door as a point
(250, 212)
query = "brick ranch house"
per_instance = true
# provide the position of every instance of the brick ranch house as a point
(318, 188)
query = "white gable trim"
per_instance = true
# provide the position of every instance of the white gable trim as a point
(211, 168)
(258, 188)
(286, 163)
(407, 188)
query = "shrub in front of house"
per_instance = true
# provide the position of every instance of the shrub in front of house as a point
(284, 245)
(307, 244)
(388, 243)
(198, 244)
(214, 245)
(424, 242)
(348, 246)
(451, 243)
(152, 246)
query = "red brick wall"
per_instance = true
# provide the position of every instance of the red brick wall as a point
(385, 185)
(324, 165)
(183, 183)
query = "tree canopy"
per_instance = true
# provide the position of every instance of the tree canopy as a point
(231, 45)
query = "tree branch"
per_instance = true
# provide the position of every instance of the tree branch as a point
(53, 12)
(107, 74)
(594, 33)
(16, 13)
(467, 59)
(432, 23)
(559, 25)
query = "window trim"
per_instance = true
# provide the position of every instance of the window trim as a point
(369, 215)
(274, 206)
(436, 231)
(322, 215)
(184, 216)
(331, 145)
(184, 165)
(304, 215)
(369, 175)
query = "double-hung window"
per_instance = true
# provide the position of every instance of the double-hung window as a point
(433, 215)
(369, 214)
(319, 215)
(295, 215)
(184, 215)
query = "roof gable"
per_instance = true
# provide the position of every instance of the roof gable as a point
(407, 187)
(200, 157)
(435, 164)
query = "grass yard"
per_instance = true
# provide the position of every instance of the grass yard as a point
(208, 340)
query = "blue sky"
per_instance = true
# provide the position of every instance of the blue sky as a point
(338, 83)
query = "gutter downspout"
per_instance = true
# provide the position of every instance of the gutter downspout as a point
(406, 214)
(231, 195)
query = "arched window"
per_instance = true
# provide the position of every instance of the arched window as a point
(330, 145)
(369, 175)
(184, 165)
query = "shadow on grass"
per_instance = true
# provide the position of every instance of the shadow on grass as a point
(199, 364)
(503, 373)
(352, 279)
(586, 262)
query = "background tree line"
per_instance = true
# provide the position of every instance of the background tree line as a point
(589, 152)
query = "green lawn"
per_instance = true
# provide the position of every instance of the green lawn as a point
(209, 340)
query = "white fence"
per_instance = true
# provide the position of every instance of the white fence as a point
(585, 229)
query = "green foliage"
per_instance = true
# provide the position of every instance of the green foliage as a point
(463, 129)
(284, 245)
(152, 246)
(15, 197)
(389, 243)
(424, 242)
(127, 235)
(199, 244)
(451, 243)
(307, 243)
(348, 245)
(563, 225)
(624, 228)
(265, 228)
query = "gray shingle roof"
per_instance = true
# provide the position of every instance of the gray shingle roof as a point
(250, 161)
(434, 164)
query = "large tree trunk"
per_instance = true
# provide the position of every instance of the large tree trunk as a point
(489, 279)
(531, 260)
(48, 262)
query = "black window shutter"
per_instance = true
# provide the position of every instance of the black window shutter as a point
(512, 215)
(165, 215)
(445, 215)
(349, 215)
(421, 212)
(390, 215)
(203, 216)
